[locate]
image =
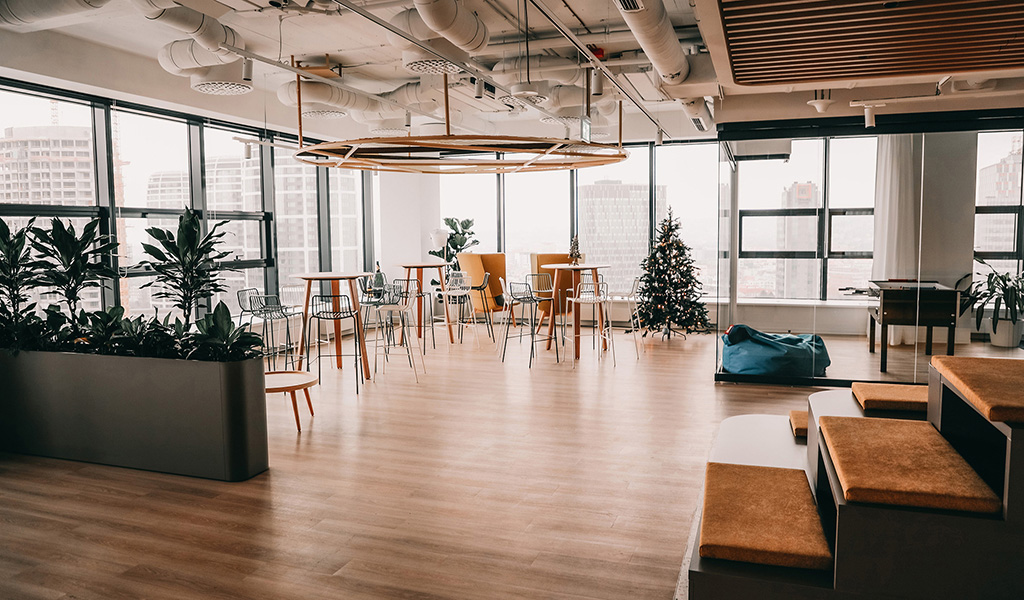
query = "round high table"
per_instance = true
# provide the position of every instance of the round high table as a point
(419, 267)
(563, 270)
(353, 292)
(290, 382)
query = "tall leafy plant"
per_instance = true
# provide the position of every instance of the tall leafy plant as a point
(220, 339)
(72, 262)
(999, 289)
(460, 238)
(19, 273)
(186, 263)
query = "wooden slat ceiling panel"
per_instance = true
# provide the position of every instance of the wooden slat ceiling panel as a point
(795, 41)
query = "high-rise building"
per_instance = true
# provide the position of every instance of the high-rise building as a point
(613, 227)
(999, 184)
(796, 278)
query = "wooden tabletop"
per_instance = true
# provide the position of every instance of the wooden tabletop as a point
(426, 265)
(331, 276)
(289, 381)
(568, 267)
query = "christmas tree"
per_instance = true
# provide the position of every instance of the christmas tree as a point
(574, 251)
(669, 289)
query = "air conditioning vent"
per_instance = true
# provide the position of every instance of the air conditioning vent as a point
(630, 5)
(699, 124)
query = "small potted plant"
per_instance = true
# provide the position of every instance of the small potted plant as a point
(1003, 292)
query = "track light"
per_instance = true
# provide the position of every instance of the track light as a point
(869, 116)
(478, 88)
(246, 69)
(659, 138)
(408, 120)
(247, 153)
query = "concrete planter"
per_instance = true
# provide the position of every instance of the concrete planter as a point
(195, 418)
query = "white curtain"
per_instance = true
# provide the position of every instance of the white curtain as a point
(898, 215)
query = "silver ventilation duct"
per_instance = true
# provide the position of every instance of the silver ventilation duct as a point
(555, 68)
(455, 23)
(25, 12)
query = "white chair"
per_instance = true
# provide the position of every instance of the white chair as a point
(630, 298)
(458, 292)
(400, 300)
(596, 296)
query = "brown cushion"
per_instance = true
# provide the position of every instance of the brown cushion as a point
(761, 515)
(891, 396)
(995, 386)
(798, 421)
(906, 463)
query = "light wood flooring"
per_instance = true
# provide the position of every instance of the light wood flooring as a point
(486, 480)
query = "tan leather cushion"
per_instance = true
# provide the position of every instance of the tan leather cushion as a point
(798, 421)
(905, 463)
(995, 386)
(891, 396)
(762, 515)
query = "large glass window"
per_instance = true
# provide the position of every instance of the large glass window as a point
(536, 218)
(851, 221)
(346, 205)
(232, 181)
(46, 152)
(614, 212)
(295, 214)
(473, 197)
(687, 178)
(997, 224)
(150, 161)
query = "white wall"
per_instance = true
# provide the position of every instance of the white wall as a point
(406, 209)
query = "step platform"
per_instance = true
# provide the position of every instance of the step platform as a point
(798, 422)
(891, 397)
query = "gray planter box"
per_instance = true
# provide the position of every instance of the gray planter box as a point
(201, 419)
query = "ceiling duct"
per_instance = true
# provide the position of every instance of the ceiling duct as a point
(414, 59)
(455, 23)
(555, 68)
(697, 111)
(196, 57)
(653, 30)
(26, 12)
(323, 101)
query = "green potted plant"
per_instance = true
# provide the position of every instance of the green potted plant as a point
(139, 393)
(1003, 292)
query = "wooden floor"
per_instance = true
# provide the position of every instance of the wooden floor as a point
(486, 480)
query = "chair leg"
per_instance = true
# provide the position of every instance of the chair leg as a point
(309, 402)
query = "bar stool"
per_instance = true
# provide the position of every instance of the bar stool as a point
(485, 303)
(596, 296)
(544, 291)
(401, 300)
(507, 317)
(458, 291)
(523, 294)
(270, 310)
(245, 304)
(322, 308)
(630, 298)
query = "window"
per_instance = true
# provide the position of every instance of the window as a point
(536, 218)
(473, 197)
(346, 207)
(800, 238)
(150, 161)
(614, 212)
(687, 178)
(232, 181)
(997, 222)
(295, 215)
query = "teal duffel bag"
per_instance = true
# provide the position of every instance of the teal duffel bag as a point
(748, 351)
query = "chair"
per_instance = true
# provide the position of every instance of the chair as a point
(523, 294)
(325, 307)
(458, 292)
(507, 316)
(630, 298)
(269, 309)
(596, 296)
(371, 292)
(544, 290)
(400, 300)
(245, 304)
(482, 289)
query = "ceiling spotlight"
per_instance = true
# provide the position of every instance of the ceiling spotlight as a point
(246, 69)
(596, 83)
(659, 138)
(821, 101)
(279, 3)
(869, 116)
(247, 152)
(478, 88)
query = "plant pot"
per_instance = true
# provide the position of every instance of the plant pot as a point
(1007, 335)
(195, 418)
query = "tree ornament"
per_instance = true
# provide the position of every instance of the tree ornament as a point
(574, 251)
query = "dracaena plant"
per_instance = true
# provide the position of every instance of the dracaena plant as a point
(219, 339)
(999, 289)
(185, 263)
(73, 262)
(19, 273)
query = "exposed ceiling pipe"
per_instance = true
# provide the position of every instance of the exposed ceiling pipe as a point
(454, 22)
(557, 42)
(559, 69)
(206, 31)
(318, 99)
(25, 12)
(653, 30)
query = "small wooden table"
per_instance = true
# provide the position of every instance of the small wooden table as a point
(418, 267)
(561, 269)
(289, 382)
(353, 292)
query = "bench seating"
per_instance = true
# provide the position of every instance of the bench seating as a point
(798, 421)
(762, 515)
(995, 386)
(891, 396)
(904, 463)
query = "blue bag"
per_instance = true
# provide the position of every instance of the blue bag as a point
(748, 351)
